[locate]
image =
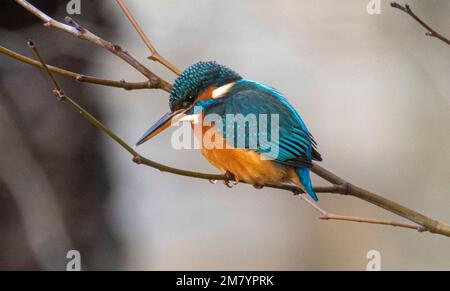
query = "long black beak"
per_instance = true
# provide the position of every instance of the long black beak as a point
(162, 124)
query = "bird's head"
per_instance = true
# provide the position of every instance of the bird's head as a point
(186, 90)
(196, 79)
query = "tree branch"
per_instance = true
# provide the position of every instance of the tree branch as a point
(331, 216)
(431, 225)
(430, 32)
(324, 215)
(340, 186)
(82, 33)
(155, 56)
(77, 76)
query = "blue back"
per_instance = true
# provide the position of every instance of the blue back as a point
(294, 146)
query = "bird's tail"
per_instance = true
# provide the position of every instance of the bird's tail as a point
(305, 179)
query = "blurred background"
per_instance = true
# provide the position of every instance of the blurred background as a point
(373, 89)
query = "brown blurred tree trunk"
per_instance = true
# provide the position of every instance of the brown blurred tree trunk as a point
(54, 186)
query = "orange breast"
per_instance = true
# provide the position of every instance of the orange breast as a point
(245, 165)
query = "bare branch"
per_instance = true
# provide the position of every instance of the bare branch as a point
(77, 76)
(431, 225)
(155, 56)
(83, 33)
(331, 216)
(137, 158)
(324, 215)
(430, 32)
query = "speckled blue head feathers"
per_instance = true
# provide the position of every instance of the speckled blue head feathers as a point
(196, 79)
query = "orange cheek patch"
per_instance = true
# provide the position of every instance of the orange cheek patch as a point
(207, 94)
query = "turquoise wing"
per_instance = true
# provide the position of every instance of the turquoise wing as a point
(268, 124)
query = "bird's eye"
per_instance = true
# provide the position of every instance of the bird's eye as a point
(188, 101)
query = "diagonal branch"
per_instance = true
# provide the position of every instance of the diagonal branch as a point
(82, 33)
(331, 216)
(155, 56)
(76, 76)
(430, 32)
(324, 215)
(430, 224)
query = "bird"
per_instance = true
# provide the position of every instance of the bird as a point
(244, 152)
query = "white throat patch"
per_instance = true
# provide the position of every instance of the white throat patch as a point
(222, 90)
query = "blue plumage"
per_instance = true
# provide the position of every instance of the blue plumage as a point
(295, 145)
(258, 154)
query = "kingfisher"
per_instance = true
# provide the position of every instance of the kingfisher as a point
(241, 152)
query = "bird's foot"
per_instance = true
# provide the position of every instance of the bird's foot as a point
(258, 186)
(230, 180)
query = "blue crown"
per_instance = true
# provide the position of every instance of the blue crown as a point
(197, 78)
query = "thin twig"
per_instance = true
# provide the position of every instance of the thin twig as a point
(77, 76)
(83, 33)
(430, 32)
(324, 215)
(332, 216)
(430, 224)
(155, 56)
